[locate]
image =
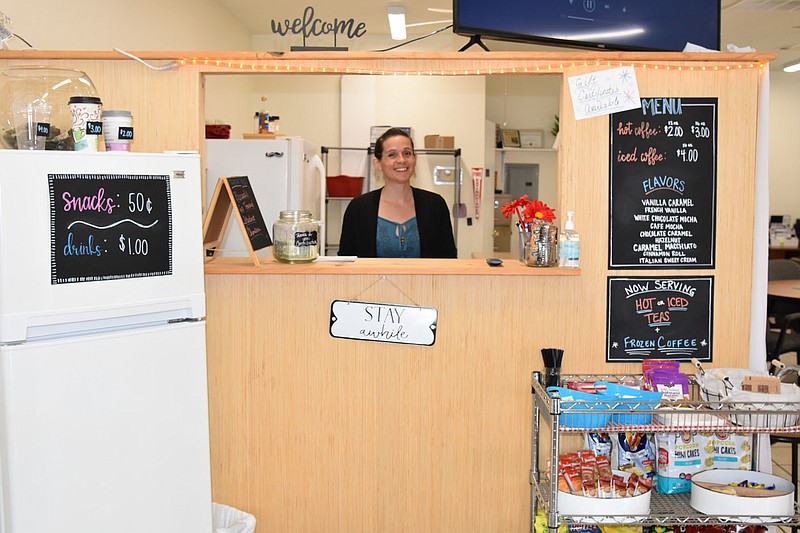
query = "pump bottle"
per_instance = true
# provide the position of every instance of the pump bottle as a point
(569, 244)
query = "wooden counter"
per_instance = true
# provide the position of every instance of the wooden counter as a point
(313, 433)
(433, 267)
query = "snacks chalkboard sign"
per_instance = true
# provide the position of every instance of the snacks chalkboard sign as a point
(109, 226)
(659, 318)
(663, 184)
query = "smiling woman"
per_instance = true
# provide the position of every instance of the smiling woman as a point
(397, 220)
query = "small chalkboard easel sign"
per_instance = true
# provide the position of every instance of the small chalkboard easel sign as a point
(230, 192)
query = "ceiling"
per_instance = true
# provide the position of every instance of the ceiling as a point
(766, 25)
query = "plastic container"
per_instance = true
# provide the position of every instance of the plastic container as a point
(296, 237)
(632, 397)
(569, 244)
(218, 131)
(579, 413)
(344, 186)
(117, 130)
(42, 86)
(752, 510)
(586, 510)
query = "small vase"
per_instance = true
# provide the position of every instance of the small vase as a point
(524, 245)
(542, 248)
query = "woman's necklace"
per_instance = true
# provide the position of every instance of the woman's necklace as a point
(400, 231)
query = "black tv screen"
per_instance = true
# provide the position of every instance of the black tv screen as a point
(664, 25)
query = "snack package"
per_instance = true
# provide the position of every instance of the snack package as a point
(674, 386)
(621, 529)
(650, 365)
(540, 526)
(635, 453)
(599, 443)
(728, 450)
(680, 456)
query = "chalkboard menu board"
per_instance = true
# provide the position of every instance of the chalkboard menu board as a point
(253, 220)
(659, 318)
(663, 184)
(109, 226)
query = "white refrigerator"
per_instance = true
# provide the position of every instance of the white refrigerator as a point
(285, 173)
(103, 386)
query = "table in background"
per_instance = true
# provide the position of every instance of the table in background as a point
(784, 288)
(783, 252)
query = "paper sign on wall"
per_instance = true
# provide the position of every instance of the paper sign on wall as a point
(604, 92)
(381, 322)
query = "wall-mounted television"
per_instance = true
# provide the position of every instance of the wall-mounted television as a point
(658, 25)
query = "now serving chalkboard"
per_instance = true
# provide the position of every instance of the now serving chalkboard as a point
(663, 184)
(109, 226)
(659, 318)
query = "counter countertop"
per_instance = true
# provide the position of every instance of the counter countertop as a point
(461, 267)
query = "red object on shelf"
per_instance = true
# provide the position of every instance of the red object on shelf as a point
(345, 186)
(218, 131)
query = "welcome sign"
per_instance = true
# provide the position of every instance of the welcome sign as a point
(310, 25)
(383, 322)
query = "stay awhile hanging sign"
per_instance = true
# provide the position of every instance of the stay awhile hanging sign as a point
(383, 322)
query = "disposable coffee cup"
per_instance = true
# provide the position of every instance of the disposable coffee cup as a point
(32, 125)
(117, 130)
(87, 125)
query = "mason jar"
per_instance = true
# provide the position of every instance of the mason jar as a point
(295, 237)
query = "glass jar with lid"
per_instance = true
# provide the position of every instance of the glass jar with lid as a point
(295, 235)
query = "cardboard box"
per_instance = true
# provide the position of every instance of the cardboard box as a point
(440, 141)
(762, 384)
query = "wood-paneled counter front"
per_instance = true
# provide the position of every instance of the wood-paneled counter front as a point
(313, 433)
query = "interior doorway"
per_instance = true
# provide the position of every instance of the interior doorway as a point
(522, 178)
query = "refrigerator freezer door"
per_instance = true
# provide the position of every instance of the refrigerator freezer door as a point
(278, 170)
(106, 432)
(73, 237)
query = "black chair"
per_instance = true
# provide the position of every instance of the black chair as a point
(784, 336)
(783, 316)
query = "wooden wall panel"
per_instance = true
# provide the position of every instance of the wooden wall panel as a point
(312, 433)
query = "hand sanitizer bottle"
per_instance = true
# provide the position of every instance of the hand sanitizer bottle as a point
(569, 244)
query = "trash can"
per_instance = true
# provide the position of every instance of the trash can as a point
(226, 519)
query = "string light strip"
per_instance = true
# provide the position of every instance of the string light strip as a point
(536, 68)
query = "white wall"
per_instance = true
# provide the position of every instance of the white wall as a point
(784, 172)
(308, 105)
(128, 25)
(519, 102)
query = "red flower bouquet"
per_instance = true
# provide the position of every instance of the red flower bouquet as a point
(529, 212)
